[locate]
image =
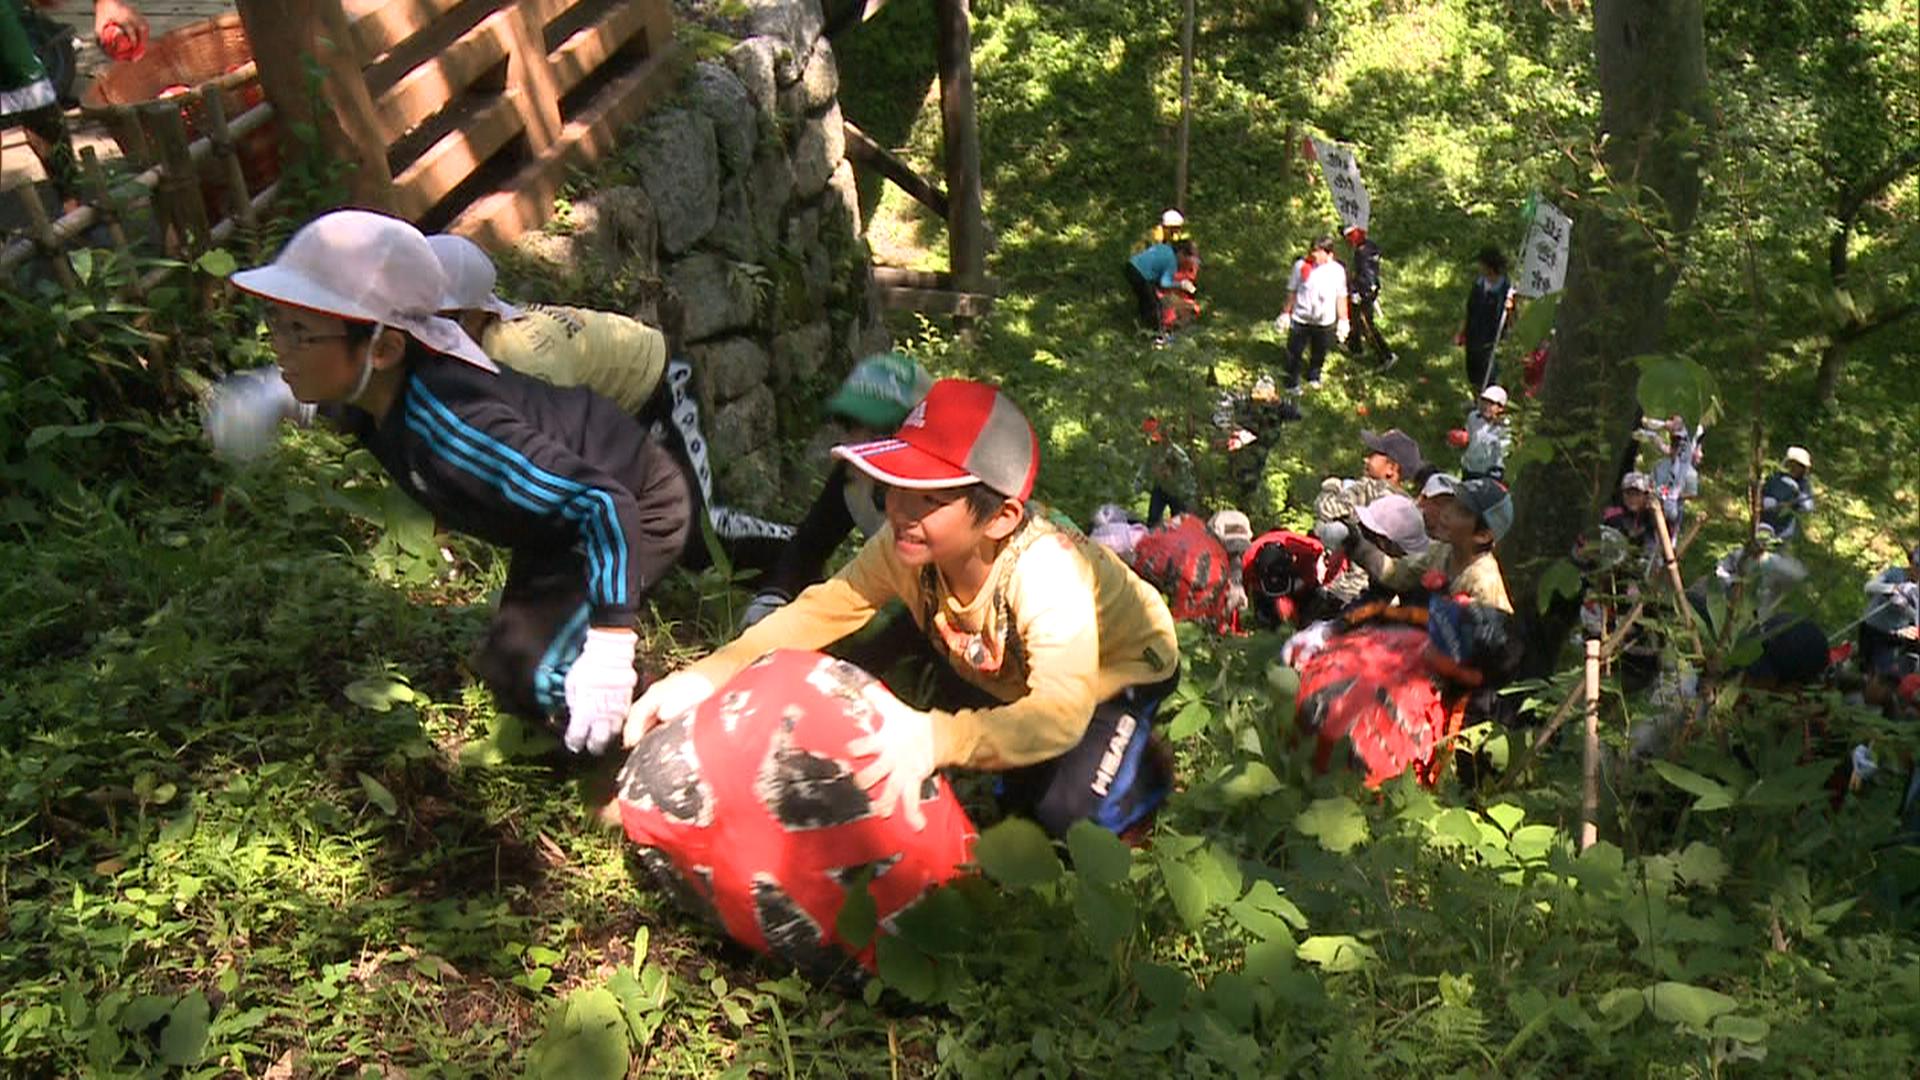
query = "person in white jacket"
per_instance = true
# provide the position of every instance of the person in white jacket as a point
(1488, 437)
(1891, 629)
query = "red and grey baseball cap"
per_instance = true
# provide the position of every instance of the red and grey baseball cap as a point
(961, 433)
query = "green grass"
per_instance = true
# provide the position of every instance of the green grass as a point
(256, 818)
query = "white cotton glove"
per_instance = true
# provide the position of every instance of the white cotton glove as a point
(668, 699)
(242, 413)
(1769, 503)
(903, 756)
(1282, 323)
(1237, 596)
(1343, 329)
(599, 688)
(1189, 287)
(765, 603)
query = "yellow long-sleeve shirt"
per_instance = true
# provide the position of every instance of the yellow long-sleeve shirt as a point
(609, 353)
(1060, 626)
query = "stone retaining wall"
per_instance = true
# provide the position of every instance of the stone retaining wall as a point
(745, 207)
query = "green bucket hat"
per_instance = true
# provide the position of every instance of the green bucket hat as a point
(881, 390)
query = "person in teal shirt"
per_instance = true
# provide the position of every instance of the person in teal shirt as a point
(1152, 270)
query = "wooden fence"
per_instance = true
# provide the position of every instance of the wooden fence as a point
(465, 115)
(462, 115)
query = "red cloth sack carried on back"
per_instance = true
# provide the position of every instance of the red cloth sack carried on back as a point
(1190, 565)
(746, 813)
(1371, 688)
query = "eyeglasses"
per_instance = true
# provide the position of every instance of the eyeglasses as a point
(285, 333)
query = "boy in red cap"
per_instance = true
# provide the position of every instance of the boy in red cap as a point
(1076, 649)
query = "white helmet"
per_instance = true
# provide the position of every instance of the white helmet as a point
(1173, 219)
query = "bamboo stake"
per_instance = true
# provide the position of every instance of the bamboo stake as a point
(179, 179)
(44, 236)
(1590, 766)
(1673, 574)
(107, 205)
(241, 205)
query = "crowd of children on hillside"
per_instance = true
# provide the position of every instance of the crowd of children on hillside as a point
(570, 438)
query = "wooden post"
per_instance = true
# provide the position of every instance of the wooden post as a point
(285, 35)
(1186, 111)
(1590, 761)
(239, 201)
(185, 213)
(966, 225)
(530, 76)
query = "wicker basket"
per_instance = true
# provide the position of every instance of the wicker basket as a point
(191, 56)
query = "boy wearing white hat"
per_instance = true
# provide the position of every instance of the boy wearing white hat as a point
(1788, 493)
(1488, 437)
(592, 505)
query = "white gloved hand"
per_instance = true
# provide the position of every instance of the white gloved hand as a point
(1189, 287)
(670, 698)
(599, 688)
(1343, 329)
(1236, 596)
(243, 411)
(903, 756)
(1282, 323)
(765, 603)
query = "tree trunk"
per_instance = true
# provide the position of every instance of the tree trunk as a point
(1650, 56)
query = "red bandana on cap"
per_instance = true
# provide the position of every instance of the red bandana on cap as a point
(961, 433)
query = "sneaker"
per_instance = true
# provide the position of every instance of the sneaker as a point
(1160, 341)
(1387, 364)
(1313, 383)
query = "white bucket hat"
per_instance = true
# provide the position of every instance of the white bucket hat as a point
(1797, 455)
(1173, 219)
(1495, 394)
(470, 277)
(357, 264)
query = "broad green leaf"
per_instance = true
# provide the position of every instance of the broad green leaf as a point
(379, 693)
(1268, 961)
(1336, 953)
(1189, 721)
(1601, 868)
(1017, 854)
(1694, 1006)
(184, 1040)
(1188, 894)
(144, 1011)
(1219, 873)
(1249, 781)
(1532, 842)
(1561, 580)
(81, 259)
(218, 262)
(1267, 897)
(1711, 794)
(1621, 1007)
(1258, 921)
(1283, 680)
(1166, 987)
(586, 1037)
(1535, 321)
(1703, 865)
(1337, 823)
(905, 968)
(858, 917)
(1457, 824)
(1507, 816)
(1098, 856)
(1795, 787)
(1746, 1029)
(1106, 912)
(1231, 995)
(378, 795)
(41, 436)
(941, 923)
(1674, 385)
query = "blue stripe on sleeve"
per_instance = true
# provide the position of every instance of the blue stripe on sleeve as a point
(530, 486)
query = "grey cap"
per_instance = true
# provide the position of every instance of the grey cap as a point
(1396, 518)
